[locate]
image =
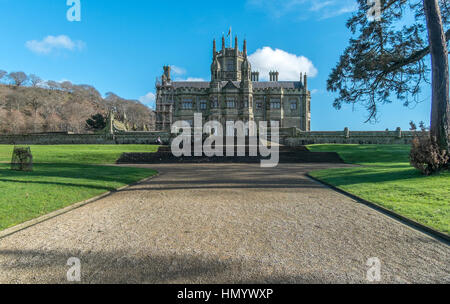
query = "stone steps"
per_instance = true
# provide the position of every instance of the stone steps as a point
(286, 155)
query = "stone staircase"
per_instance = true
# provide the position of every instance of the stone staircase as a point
(287, 154)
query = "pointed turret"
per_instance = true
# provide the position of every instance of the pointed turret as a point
(245, 48)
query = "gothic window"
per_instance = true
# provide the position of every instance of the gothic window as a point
(187, 104)
(275, 103)
(293, 103)
(245, 102)
(231, 103)
(203, 105)
(230, 65)
(259, 104)
(215, 103)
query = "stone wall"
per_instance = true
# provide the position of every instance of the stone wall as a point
(288, 136)
(291, 137)
(88, 139)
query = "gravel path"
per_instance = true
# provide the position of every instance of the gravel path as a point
(224, 223)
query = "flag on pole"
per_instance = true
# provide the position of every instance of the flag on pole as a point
(229, 32)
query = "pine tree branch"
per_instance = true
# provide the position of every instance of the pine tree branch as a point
(416, 56)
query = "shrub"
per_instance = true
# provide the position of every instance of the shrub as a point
(96, 122)
(22, 159)
(426, 155)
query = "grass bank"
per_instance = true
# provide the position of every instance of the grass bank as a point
(83, 154)
(386, 178)
(62, 175)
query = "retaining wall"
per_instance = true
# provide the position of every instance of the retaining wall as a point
(347, 137)
(289, 137)
(88, 139)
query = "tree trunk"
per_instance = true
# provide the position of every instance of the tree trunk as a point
(440, 105)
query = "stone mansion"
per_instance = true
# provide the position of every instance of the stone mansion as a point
(234, 93)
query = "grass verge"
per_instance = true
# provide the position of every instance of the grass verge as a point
(62, 175)
(386, 178)
(82, 154)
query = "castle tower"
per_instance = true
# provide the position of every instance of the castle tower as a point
(166, 79)
(306, 97)
(216, 68)
(230, 62)
(247, 85)
(246, 69)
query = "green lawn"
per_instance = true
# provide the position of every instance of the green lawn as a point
(83, 154)
(62, 175)
(386, 178)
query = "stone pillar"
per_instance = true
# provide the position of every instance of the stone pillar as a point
(399, 132)
(347, 133)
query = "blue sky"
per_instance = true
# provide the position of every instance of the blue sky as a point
(121, 46)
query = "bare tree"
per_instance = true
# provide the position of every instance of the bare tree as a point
(2, 74)
(35, 102)
(14, 101)
(67, 86)
(87, 91)
(18, 78)
(75, 114)
(35, 80)
(54, 106)
(53, 85)
(15, 122)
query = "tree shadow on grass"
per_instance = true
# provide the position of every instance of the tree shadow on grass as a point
(89, 172)
(59, 184)
(368, 175)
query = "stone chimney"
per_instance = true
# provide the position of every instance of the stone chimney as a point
(273, 76)
(255, 76)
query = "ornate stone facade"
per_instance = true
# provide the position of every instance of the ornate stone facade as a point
(234, 93)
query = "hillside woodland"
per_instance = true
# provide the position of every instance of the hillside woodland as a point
(30, 105)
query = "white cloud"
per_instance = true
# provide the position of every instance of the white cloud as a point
(190, 79)
(318, 9)
(181, 73)
(288, 65)
(52, 43)
(194, 79)
(343, 10)
(177, 70)
(149, 100)
(317, 6)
